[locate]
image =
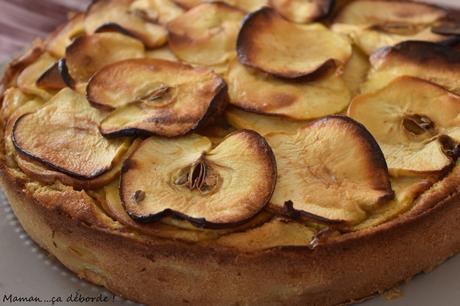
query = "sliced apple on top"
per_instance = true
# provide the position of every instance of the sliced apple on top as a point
(63, 36)
(355, 71)
(429, 61)
(64, 136)
(27, 79)
(259, 92)
(55, 78)
(272, 44)
(159, 11)
(115, 14)
(151, 96)
(372, 12)
(88, 54)
(302, 11)
(245, 5)
(375, 24)
(262, 124)
(411, 118)
(206, 34)
(187, 179)
(331, 171)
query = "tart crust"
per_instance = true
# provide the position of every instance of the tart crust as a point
(341, 270)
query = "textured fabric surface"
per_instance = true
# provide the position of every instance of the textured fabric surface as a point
(21, 21)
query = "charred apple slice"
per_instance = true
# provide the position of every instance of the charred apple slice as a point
(115, 15)
(270, 43)
(55, 77)
(262, 124)
(206, 34)
(64, 136)
(258, 92)
(245, 5)
(212, 188)
(302, 11)
(429, 61)
(88, 54)
(158, 97)
(371, 12)
(408, 117)
(160, 11)
(63, 36)
(332, 171)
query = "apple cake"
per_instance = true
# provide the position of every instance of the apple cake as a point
(241, 152)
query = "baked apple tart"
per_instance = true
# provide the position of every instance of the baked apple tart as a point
(239, 152)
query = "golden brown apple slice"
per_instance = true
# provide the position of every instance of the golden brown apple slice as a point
(13, 98)
(186, 179)
(277, 232)
(331, 171)
(429, 61)
(262, 124)
(64, 136)
(371, 12)
(372, 38)
(302, 11)
(160, 11)
(407, 118)
(55, 78)
(63, 36)
(355, 71)
(206, 34)
(27, 79)
(270, 43)
(88, 54)
(116, 12)
(256, 91)
(16, 66)
(164, 53)
(43, 174)
(245, 5)
(156, 97)
(407, 190)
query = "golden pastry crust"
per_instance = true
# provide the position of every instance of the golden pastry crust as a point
(72, 225)
(156, 271)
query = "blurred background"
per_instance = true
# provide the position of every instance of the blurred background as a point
(21, 21)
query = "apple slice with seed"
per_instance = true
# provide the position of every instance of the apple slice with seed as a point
(206, 34)
(408, 117)
(63, 36)
(258, 92)
(270, 43)
(429, 61)
(187, 179)
(156, 97)
(321, 163)
(371, 12)
(107, 12)
(88, 54)
(301, 11)
(64, 136)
